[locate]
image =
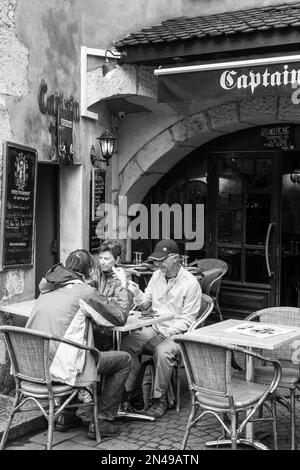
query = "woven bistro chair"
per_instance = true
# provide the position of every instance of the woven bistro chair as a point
(214, 391)
(29, 354)
(213, 269)
(205, 310)
(287, 355)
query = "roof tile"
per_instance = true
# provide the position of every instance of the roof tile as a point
(236, 22)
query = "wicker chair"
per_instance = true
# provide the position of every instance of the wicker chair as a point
(211, 282)
(214, 390)
(290, 380)
(205, 310)
(29, 354)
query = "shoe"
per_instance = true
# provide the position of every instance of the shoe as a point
(158, 408)
(107, 429)
(67, 421)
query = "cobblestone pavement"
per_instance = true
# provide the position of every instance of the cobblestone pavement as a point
(164, 434)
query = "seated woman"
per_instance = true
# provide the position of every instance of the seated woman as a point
(109, 284)
(61, 289)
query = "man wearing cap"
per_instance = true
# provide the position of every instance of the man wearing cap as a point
(171, 289)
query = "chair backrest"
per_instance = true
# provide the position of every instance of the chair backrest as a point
(213, 270)
(207, 305)
(208, 368)
(207, 365)
(287, 316)
(29, 353)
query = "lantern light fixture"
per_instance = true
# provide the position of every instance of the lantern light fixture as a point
(107, 144)
(107, 66)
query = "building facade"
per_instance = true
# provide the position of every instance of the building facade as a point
(219, 147)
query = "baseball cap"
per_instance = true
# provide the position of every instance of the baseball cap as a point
(163, 249)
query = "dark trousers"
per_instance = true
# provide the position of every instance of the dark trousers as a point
(114, 368)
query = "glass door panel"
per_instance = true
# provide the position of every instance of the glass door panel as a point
(247, 211)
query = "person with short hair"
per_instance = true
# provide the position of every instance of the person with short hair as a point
(109, 284)
(171, 289)
(61, 290)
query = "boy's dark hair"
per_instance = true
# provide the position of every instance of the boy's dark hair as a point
(113, 246)
(80, 261)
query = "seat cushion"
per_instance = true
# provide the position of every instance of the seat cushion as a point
(290, 377)
(244, 395)
(40, 390)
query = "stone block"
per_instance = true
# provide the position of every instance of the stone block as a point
(116, 444)
(23, 423)
(23, 445)
(224, 116)
(13, 65)
(261, 109)
(287, 111)
(70, 445)
(153, 150)
(190, 127)
(58, 437)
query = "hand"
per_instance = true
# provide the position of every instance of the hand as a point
(133, 288)
(120, 274)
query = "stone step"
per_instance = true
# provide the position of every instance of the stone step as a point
(24, 422)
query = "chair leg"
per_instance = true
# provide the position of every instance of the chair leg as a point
(292, 411)
(274, 414)
(97, 429)
(178, 385)
(10, 418)
(188, 426)
(50, 424)
(218, 310)
(233, 419)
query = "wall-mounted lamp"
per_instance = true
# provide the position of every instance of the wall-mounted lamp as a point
(295, 175)
(107, 143)
(108, 67)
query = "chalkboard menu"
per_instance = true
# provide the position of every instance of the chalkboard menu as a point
(18, 208)
(278, 137)
(97, 199)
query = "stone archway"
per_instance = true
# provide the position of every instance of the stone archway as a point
(173, 143)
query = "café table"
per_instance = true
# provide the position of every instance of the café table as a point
(218, 331)
(18, 312)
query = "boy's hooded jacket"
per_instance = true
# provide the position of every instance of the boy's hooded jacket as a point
(61, 291)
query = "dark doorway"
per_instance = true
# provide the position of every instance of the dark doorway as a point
(251, 215)
(47, 211)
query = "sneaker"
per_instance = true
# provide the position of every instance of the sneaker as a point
(158, 408)
(107, 429)
(66, 421)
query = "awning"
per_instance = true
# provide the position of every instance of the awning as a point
(229, 81)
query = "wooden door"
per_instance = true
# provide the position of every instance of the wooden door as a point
(244, 196)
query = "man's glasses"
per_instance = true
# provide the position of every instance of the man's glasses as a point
(158, 262)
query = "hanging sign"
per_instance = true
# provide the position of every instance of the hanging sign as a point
(63, 113)
(18, 206)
